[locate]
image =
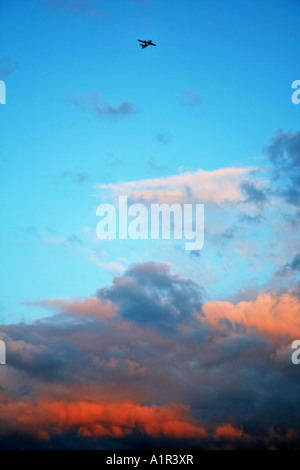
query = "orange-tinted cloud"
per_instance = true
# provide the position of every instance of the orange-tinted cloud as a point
(97, 419)
(90, 307)
(268, 314)
(228, 431)
(47, 418)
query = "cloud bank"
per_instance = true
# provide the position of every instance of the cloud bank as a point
(147, 363)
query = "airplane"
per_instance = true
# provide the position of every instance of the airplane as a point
(146, 43)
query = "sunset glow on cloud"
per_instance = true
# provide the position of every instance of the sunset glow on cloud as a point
(270, 315)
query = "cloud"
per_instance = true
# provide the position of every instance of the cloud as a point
(228, 431)
(228, 234)
(34, 359)
(295, 264)
(221, 186)
(90, 307)
(251, 219)
(93, 104)
(77, 177)
(167, 300)
(268, 314)
(71, 240)
(154, 166)
(284, 148)
(96, 419)
(31, 230)
(190, 98)
(195, 253)
(163, 138)
(147, 363)
(254, 194)
(288, 269)
(74, 7)
(7, 65)
(284, 154)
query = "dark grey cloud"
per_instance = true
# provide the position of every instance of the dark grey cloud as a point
(295, 264)
(7, 65)
(36, 360)
(284, 149)
(253, 193)
(167, 300)
(93, 104)
(284, 154)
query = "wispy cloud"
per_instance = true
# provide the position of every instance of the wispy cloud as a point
(221, 186)
(90, 307)
(152, 165)
(163, 137)
(190, 98)
(75, 7)
(7, 65)
(93, 104)
(75, 176)
(54, 239)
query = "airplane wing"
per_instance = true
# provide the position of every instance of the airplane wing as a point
(142, 41)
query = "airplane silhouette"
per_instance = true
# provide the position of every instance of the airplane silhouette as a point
(146, 43)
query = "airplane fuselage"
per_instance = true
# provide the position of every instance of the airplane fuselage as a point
(146, 43)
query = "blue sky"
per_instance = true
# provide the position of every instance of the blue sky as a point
(210, 95)
(140, 343)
